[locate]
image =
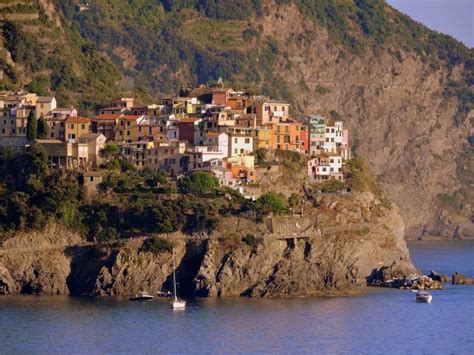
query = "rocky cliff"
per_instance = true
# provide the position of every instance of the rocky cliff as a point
(341, 243)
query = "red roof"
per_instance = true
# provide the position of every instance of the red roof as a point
(107, 117)
(72, 119)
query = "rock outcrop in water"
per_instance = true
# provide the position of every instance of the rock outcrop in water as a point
(344, 242)
(460, 279)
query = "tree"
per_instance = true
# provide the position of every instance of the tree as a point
(198, 183)
(31, 126)
(43, 128)
(271, 202)
(110, 150)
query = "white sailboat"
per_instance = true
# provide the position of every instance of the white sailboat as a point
(176, 303)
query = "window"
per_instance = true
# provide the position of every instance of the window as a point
(235, 140)
(247, 140)
(267, 108)
(83, 126)
(72, 125)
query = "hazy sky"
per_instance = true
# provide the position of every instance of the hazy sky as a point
(454, 17)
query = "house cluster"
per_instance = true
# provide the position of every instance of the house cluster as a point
(210, 128)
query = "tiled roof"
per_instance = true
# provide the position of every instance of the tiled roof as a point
(107, 117)
(72, 119)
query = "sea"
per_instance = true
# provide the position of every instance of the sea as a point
(379, 321)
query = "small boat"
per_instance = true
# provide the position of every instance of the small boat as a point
(164, 294)
(424, 296)
(141, 296)
(176, 304)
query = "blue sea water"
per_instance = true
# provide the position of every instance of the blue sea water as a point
(381, 321)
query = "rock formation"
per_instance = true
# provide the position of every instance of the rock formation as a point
(340, 244)
(460, 279)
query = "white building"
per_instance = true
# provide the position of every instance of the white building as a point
(218, 141)
(325, 166)
(333, 136)
(240, 144)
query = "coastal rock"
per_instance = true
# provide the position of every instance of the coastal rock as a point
(7, 284)
(443, 278)
(460, 279)
(311, 256)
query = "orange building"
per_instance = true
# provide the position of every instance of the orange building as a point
(286, 136)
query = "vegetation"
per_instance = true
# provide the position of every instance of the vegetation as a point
(31, 126)
(198, 183)
(271, 202)
(156, 245)
(43, 128)
(332, 185)
(454, 202)
(251, 240)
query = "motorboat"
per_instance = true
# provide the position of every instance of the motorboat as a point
(424, 297)
(141, 296)
(176, 304)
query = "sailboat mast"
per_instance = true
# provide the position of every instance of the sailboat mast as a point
(174, 278)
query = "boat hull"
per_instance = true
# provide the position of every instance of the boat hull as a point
(142, 298)
(177, 305)
(424, 298)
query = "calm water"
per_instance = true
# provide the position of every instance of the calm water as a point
(379, 322)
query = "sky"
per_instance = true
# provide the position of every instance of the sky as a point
(453, 17)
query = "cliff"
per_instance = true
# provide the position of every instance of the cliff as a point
(327, 251)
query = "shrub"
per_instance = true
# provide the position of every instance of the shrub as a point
(359, 176)
(251, 240)
(107, 235)
(156, 245)
(454, 202)
(332, 185)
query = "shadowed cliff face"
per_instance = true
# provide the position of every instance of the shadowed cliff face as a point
(325, 252)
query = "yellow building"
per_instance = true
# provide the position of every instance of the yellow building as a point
(75, 127)
(44, 105)
(127, 128)
(264, 137)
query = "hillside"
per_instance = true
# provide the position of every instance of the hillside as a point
(403, 90)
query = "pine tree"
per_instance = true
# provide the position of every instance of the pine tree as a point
(43, 128)
(31, 126)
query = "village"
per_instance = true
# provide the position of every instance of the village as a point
(211, 128)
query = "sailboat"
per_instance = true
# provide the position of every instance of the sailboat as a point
(176, 303)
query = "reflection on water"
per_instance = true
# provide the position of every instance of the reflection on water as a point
(380, 321)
